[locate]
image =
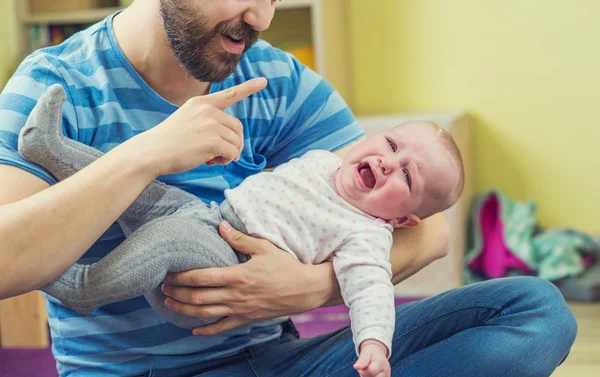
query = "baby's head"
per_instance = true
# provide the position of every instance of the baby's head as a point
(404, 175)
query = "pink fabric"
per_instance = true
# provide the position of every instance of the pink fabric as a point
(588, 260)
(495, 257)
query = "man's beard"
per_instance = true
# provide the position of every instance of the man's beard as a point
(197, 47)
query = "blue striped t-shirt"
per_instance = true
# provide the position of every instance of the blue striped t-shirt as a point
(108, 103)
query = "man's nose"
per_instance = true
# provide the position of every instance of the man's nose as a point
(260, 14)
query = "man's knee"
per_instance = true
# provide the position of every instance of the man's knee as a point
(556, 319)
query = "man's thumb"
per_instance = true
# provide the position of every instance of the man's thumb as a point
(237, 240)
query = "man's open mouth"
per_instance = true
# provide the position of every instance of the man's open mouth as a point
(232, 38)
(366, 175)
(234, 44)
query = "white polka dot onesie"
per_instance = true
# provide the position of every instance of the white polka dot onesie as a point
(297, 207)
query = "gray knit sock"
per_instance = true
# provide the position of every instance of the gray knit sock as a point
(168, 229)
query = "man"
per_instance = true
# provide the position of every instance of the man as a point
(155, 88)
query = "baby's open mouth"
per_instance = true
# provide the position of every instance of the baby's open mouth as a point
(366, 174)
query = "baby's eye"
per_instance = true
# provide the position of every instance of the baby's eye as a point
(393, 145)
(407, 177)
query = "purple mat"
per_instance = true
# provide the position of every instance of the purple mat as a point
(40, 363)
(323, 320)
(27, 363)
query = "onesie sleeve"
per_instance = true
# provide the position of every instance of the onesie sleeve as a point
(364, 273)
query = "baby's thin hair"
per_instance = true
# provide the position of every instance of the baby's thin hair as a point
(449, 145)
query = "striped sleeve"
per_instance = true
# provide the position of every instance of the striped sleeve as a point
(17, 100)
(316, 117)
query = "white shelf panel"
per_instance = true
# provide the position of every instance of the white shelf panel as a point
(293, 4)
(70, 17)
(92, 15)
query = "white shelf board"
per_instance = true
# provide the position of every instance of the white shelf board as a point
(293, 4)
(97, 14)
(316, 25)
(69, 17)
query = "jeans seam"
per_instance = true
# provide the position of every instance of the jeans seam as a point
(338, 369)
(494, 307)
(408, 360)
(425, 351)
(252, 367)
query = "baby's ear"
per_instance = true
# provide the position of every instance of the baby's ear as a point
(406, 221)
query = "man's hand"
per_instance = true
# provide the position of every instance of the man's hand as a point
(372, 360)
(198, 132)
(271, 284)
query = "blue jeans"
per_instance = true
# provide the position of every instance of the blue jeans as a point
(505, 327)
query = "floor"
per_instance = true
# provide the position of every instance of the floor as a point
(584, 360)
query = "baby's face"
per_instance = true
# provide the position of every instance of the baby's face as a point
(392, 174)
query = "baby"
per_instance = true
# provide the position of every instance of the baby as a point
(316, 207)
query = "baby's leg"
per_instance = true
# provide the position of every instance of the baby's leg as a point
(139, 265)
(42, 142)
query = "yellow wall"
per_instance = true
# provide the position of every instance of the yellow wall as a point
(529, 73)
(8, 48)
(289, 31)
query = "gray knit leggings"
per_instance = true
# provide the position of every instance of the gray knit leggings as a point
(166, 229)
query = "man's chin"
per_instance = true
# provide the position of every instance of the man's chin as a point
(213, 73)
(211, 63)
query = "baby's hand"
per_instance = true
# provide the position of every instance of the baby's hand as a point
(372, 360)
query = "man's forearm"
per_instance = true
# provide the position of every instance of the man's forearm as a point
(414, 248)
(417, 247)
(44, 232)
(324, 281)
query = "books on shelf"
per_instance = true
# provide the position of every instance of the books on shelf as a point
(42, 35)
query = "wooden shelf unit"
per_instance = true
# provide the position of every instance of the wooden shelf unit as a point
(320, 23)
(68, 17)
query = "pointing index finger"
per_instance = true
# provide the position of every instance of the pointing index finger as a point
(228, 97)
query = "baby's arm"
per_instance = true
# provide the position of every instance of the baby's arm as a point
(364, 274)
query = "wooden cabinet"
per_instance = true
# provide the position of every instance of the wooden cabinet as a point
(24, 322)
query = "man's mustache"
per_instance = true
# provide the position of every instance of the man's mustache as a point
(242, 31)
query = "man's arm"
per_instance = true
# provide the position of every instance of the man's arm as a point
(414, 248)
(417, 247)
(44, 230)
